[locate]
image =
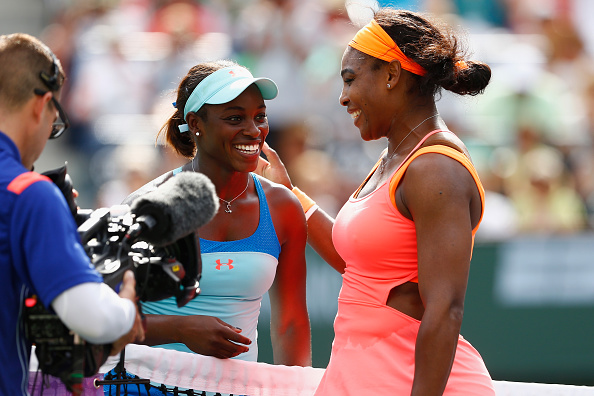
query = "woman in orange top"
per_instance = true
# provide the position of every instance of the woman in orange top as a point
(403, 241)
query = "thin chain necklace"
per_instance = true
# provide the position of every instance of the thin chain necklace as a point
(389, 157)
(228, 208)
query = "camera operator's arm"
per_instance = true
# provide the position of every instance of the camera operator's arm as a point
(206, 335)
(137, 333)
(96, 313)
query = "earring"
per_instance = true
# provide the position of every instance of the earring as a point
(197, 133)
(389, 86)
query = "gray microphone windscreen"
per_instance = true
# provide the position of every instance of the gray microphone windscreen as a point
(182, 204)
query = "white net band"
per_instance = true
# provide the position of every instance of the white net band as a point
(238, 377)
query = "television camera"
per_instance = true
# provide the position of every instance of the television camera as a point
(154, 237)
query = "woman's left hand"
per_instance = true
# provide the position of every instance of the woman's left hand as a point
(273, 169)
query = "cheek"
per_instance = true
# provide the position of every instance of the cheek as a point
(361, 94)
(365, 103)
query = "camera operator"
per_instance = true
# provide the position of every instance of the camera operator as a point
(40, 250)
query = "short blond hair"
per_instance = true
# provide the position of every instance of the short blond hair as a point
(23, 57)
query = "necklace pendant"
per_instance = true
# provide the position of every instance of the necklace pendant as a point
(228, 203)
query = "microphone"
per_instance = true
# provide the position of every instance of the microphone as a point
(175, 209)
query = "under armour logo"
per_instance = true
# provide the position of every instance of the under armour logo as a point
(228, 264)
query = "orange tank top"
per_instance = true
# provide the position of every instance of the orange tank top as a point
(383, 239)
(373, 351)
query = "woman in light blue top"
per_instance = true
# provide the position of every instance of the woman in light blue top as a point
(254, 244)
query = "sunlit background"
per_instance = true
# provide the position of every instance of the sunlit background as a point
(530, 301)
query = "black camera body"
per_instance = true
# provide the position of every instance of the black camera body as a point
(161, 272)
(60, 352)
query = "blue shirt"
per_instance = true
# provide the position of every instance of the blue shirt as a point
(40, 253)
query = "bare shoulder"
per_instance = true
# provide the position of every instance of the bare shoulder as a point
(434, 182)
(436, 173)
(448, 139)
(148, 187)
(280, 199)
(285, 209)
(433, 167)
(276, 193)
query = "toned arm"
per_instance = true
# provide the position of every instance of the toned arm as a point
(290, 327)
(440, 196)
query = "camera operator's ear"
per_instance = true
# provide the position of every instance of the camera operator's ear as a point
(39, 104)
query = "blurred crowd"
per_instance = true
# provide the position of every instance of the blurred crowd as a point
(531, 134)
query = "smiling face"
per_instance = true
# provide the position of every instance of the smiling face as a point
(364, 94)
(232, 134)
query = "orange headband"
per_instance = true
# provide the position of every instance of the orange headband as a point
(374, 41)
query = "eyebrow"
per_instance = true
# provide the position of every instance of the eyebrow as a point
(346, 70)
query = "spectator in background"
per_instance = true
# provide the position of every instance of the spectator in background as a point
(544, 201)
(133, 167)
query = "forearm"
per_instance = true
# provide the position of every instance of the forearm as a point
(292, 346)
(319, 223)
(162, 329)
(434, 353)
(319, 237)
(95, 312)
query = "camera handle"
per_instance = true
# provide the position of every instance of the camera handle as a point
(121, 377)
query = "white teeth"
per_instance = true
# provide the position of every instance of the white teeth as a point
(355, 114)
(252, 148)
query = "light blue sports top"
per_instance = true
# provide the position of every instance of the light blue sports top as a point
(235, 276)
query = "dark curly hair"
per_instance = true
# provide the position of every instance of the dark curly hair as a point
(434, 46)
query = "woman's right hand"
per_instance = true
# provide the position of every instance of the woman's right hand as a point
(208, 335)
(273, 169)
